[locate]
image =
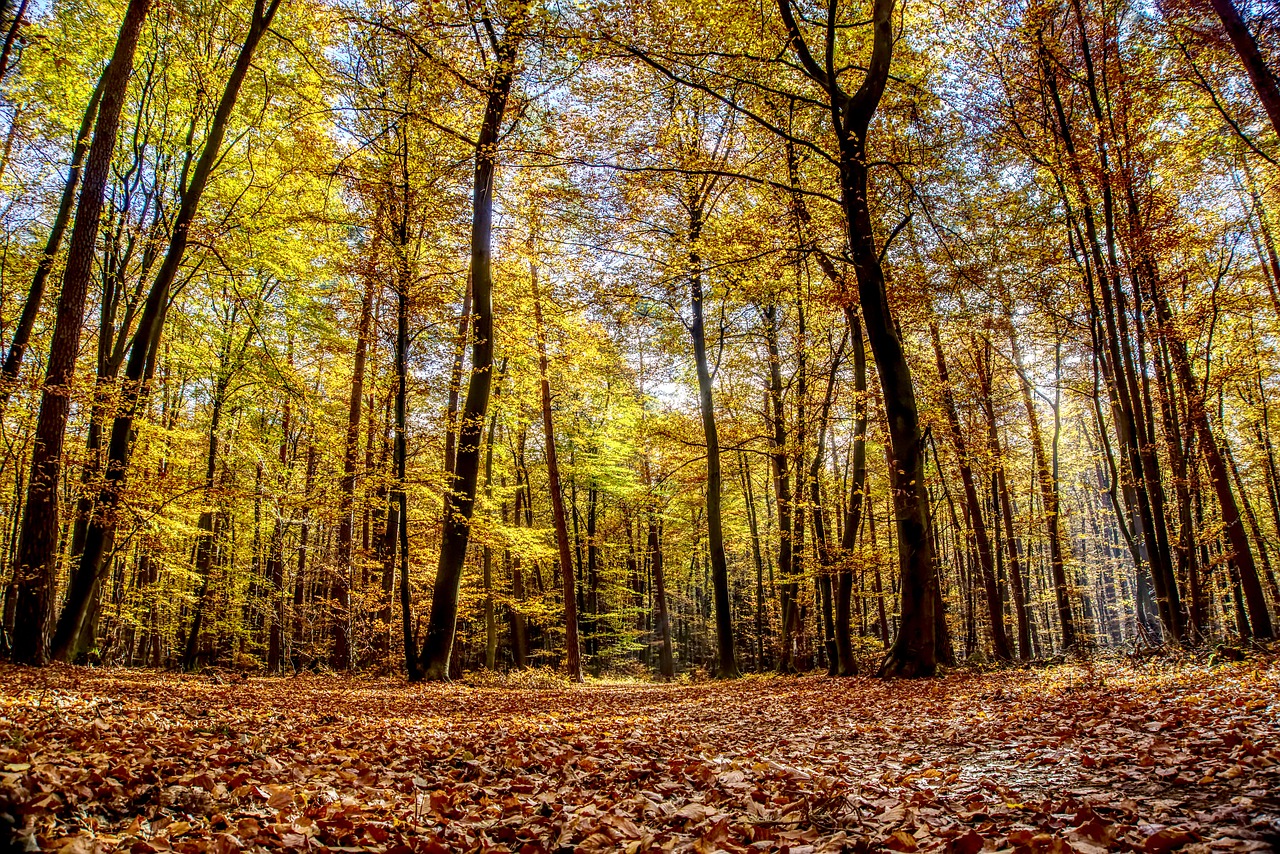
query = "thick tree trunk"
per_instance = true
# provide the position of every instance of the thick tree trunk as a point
(1264, 81)
(37, 546)
(11, 38)
(437, 647)
(915, 652)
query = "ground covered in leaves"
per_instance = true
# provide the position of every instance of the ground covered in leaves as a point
(1150, 757)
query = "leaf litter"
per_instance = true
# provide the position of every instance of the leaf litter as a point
(1083, 758)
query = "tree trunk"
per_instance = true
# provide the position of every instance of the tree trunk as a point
(788, 587)
(726, 663)
(341, 618)
(1264, 82)
(208, 524)
(1242, 554)
(1004, 508)
(437, 647)
(847, 665)
(573, 656)
(490, 609)
(666, 662)
(982, 539)
(146, 338)
(915, 652)
(37, 546)
(275, 560)
(35, 294)
(11, 38)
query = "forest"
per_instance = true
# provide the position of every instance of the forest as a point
(507, 374)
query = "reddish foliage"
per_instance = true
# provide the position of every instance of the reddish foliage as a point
(1070, 759)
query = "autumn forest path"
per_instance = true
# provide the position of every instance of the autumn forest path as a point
(1106, 757)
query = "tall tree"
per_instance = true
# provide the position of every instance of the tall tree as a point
(38, 541)
(573, 656)
(460, 497)
(147, 335)
(915, 651)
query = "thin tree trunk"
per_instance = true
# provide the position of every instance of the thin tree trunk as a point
(1049, 498)
(788, 586)
(35, 294)
(573, 656)
(847, 665)
(275, 560)
(146, 338)
(726, 662)
(1004, 508)
(995, 608)
(11, 38)
(209, 522)
(490, 611)
(753, 525)
(341, 619)
(666, 662)
(1259, 615)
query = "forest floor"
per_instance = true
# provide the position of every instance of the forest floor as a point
(1109, 756)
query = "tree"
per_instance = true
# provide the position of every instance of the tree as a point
(36, 548)
(461, 493)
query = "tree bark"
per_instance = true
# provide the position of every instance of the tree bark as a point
(1004, 508)
(666, 662)
(37, 544)
(573, 655)
(1264, 81)
(915, 652)
(1242, 555)
(146, 337)
(490, 610)
(726, 662)
(788, 587)
(460, 499)
(341, 659)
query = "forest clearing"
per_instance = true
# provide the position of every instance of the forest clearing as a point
(1115, 756)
